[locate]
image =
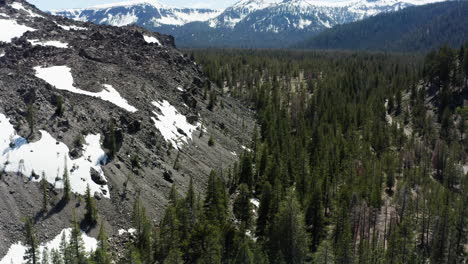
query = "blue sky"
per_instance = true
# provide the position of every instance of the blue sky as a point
(62, 4)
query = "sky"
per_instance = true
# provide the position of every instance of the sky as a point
(64, 4)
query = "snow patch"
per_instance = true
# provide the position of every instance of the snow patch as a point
(52, 43)
(11, 29)
(255, 202)
(50, 157)
(246, 149)
(68, 28)
(130, 231)
(151, 39)
(17, 251)
(172, 125)
(21, 7)
(62, 79)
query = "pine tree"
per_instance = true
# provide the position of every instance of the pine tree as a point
(289, 237)
(45, 256)
(245, 256)
(66, 184)
(65, 251)
(30, 116)
(143, 231)
(174, 257)
(76, 243)
(101, 256)
(45, 196)
(91, 210)
(314, 218)
(246, 171)
(56, 258)
(243, 208)
(31, 255)
(169, 234)
(264, 212)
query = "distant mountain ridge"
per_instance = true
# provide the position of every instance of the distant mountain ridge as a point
(418, 28)
(248, 23)
(146, 13)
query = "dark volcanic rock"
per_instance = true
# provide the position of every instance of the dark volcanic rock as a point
(97, 178)
(141, 73)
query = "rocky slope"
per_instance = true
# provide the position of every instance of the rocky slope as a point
(86, 90)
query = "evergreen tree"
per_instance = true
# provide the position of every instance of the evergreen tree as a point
(76, 243)
(243, 208)
(101, 256)
(31, 255)
(245, 256)
(91, 210)
(56, 258)
(45, 196)
(289, 237)
(45, 256)
(66, 184)
(30, 117)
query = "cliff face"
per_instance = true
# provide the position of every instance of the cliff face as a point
(120, 109)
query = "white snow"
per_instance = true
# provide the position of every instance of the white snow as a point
(50, 157)
(129, 4)
(246, 149)
(52, 43)
(17, 251)
(62, 79)
(121, 20)
(169, 121)
(20, 6)
(255, 202)
(72, 27)
(11, 29)
(151, 39)
(130, 231)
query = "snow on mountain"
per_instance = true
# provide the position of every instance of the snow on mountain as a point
(48, 157)
(142, 12)
(11, 29)
(17, 251)
(309, 15)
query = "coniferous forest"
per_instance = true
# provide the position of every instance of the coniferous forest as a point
(356, 158)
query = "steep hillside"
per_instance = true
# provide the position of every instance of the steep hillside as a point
(413, 29)
(117, 109)
(247, 23)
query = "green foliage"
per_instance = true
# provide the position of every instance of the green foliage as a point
(288, 233)
(91, 210)
(31, 255)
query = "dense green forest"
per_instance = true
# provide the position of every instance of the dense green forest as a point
(357, 158)
(418, 28)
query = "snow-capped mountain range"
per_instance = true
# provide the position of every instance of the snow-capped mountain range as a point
(208, 27)
(146, 13)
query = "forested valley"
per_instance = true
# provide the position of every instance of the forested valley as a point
(356, 158)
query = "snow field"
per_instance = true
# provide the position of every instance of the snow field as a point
(52, 43)
(171, 123)
(51, 157)
(151, 39)
(11, 29)
(62, 79)
(17, 251)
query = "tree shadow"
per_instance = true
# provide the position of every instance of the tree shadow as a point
(56, 209)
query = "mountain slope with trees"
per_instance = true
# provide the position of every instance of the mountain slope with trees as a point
(419, 28)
